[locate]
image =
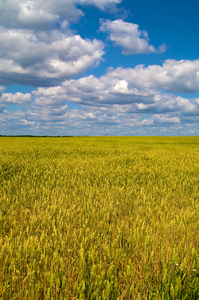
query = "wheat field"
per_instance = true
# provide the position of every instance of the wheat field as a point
(99, 218)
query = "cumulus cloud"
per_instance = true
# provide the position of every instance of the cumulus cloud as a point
(112, 120)
(29, 59)
(48, 112)
(42, 14)
(101, 4)
(173, 76)
(161, 120)
(36, 14)
(122, 88)
(129, 37)
(37, 46)
(18, 98)
(1, 89)
(144, 88)
(164, 119)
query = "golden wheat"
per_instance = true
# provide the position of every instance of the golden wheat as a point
(99, 218)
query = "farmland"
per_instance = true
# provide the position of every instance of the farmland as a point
(99, 218)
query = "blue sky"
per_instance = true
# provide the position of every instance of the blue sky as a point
(99, 67)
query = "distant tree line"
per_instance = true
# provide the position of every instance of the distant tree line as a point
(29, 135)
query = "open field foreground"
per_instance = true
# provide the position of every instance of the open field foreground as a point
(99, 218)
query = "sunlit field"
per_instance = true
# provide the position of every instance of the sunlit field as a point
(99, 218)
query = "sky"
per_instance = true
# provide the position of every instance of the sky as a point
(99, 67)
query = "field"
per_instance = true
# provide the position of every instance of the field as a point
(99, 218)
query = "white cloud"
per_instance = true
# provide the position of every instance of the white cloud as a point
(47, 114)
(61, 120)
(129, 37)
(31, 16)
(39, 48)
(165, 119)
(161, 120)
(101, 4)
(141, 90)
(173, 76)
(1, 89)
(180, 76)
(42, 14)
(29, 59)
(18, 98)
(122, 88)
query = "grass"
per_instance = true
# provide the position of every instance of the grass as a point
(99, 218)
